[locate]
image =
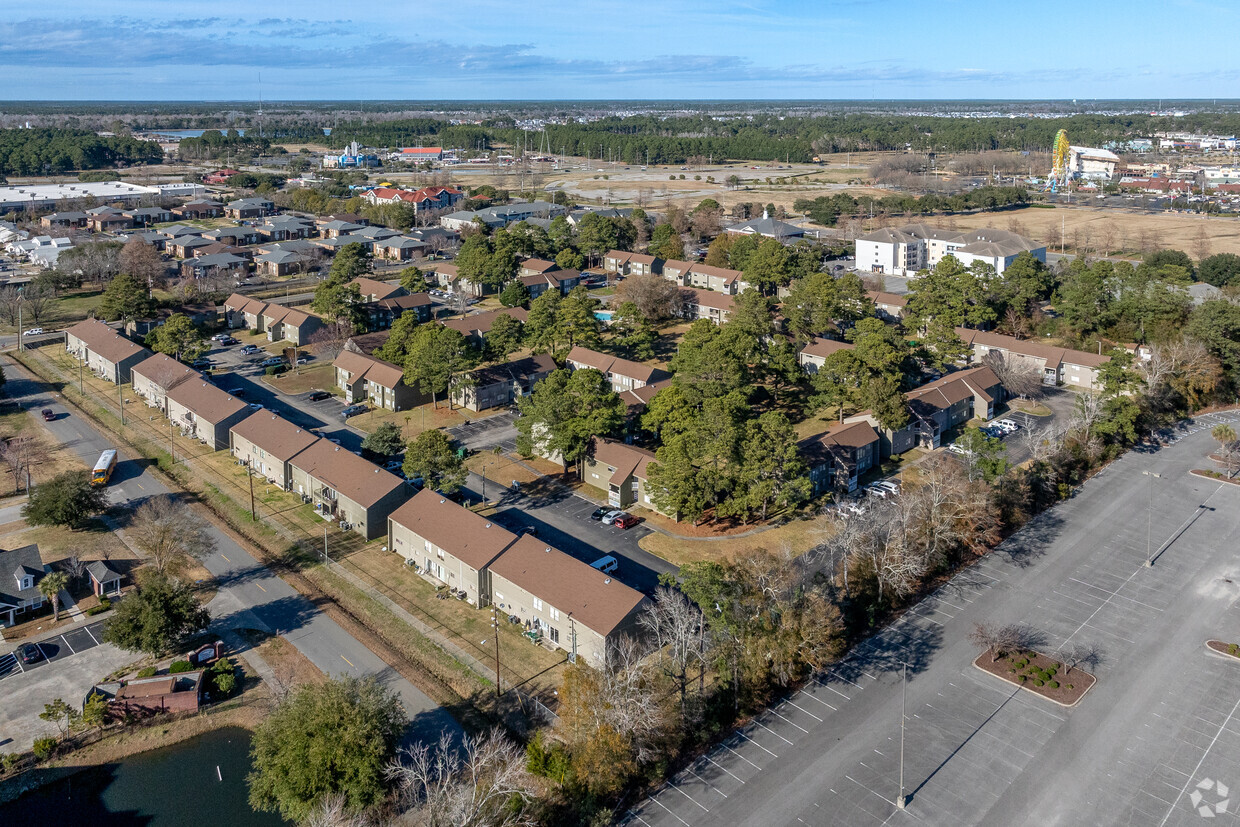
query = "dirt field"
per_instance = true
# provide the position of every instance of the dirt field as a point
(1120, 232)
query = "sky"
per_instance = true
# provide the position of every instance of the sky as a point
(617, 49)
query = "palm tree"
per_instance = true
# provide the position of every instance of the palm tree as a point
(50, 587)
(1225, 435)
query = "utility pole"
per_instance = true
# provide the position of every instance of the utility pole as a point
(253, 511)
(495, 625)
(120, 399)
(19, 319)
(1149, 519)
(81, 384)
(325, 557)
(902, 801)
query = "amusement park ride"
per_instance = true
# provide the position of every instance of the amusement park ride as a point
(1059, 164)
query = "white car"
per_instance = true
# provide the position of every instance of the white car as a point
(853, 507)
(35, 331)
(610, 516)
(876, 490)
(958, 449)
(887, 485)
(1008, 425)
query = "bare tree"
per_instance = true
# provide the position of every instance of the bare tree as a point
(996, 639)
(1042, 443)
(170, 534)
(36, 299)
(1020, 377)
(330, 339)
(655, 296)
(75, 567)
(21, 453)
(333, 811)
(677, 631)
(1085, 655)
(1201, 244)
(484, 783)
(142, 261)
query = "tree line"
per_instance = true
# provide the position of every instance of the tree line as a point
(57, 151)
(827, 209)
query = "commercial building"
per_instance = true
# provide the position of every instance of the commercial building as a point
(915, 247)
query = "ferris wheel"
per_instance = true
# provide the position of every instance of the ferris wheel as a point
(1059, 163)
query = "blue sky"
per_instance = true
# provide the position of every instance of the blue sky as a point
(617, 49)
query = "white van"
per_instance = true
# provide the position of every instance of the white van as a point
(607, 564)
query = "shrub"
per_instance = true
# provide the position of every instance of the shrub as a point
(148, 672)
(43, 748)
(275, 370)
(104, 605)
(1022, 663)
(9, 761)
(179, 666)
(224, 676)
(1052, 684)
(1020, 678)
(1069, 686)
(1038, 681)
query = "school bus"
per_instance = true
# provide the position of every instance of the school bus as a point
(103, 469)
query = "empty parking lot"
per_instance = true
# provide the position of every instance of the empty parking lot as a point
(1150, 744)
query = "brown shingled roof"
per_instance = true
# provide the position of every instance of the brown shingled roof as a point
(474, 540)
(274, 434)
(362, 482)
(628, 460)
(164, 371)
(106, 342)
(481, 322)
(825, 347)
(206, 401)
(606, 363)
(596, 600)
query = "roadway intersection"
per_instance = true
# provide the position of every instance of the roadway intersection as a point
(1150, 744)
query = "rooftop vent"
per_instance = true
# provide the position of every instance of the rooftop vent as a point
(547, 549)
(608, 580)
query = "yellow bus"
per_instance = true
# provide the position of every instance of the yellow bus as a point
(103, 469)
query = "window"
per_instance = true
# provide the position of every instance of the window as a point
(554, 633)
(426, 544)
(538, 604)
(499, 598)
(555, 613)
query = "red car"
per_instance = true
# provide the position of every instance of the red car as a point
(625, 521)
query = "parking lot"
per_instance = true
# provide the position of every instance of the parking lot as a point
(55, 648)
(1150, 743)
(484, 434)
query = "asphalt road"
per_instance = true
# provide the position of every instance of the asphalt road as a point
(249, 595)
(1150, 743)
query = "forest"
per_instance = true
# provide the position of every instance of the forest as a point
(57, 151)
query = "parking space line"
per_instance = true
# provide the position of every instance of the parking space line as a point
(738, 755)
(92, 635)
(819, 700)
(673, 815)
(782, 718)
(722, 767)
(676, 787)
(707, 783)
(756, 744)
(72, 651)
(773, 732)
(807, 712)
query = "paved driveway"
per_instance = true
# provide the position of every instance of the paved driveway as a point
(1148, 745)
(484, 434)
(563, 520)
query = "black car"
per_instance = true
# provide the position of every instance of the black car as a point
(599, 513)
(319, 396)
(527, 529)
(29, 653)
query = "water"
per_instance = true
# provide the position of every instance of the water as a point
(168, 787)
(604, 316)
(197, 133)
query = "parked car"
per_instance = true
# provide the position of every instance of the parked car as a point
(271, 361)
(200, 363)
(319, 396)
(248, 349)
(35, 331)
(888, 485)
(625, 521)
(875, 490)
(527, 529)
(219, 337)
(959, 449)
(255, 406)
(29, 653)
(302, 360)
(1008, 425)
(228, 340)
(599, 513)
(47, 414)
(610, 517)
(237, 392)
(606, 565)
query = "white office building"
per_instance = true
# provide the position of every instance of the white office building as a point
(910, 249)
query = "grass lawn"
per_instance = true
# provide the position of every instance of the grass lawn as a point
(467, 627)
(58, 458)
(800, 535)
(499, 467)
(94, 541)
(306, 378)
(69, 307)
(1030, 407)
(415, 420)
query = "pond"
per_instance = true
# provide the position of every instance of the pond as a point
(195, 781)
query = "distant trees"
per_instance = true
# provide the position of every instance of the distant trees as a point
(55, 151)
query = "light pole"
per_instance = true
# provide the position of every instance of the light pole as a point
(902, 800)
(1149, 519)
(20, 297)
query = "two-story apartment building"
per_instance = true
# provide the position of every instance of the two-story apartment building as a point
(562, 280)
(697, 304)
(623, 374)
(498, 385)
(204, 412)
(155, 376)
(938, 406)
(243, 312)
(569, 604)
(289, 324)
(381, 314)
(1058, 365)
(368, 379)
(839, 456)
(631, 264)
(812, 357)
(890, 307)
(447, 543)
(267, 443)
(107, 354)
(619, 470)
(704, 277)
(347, 489)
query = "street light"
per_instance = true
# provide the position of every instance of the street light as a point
(1149, 519)
(902, 801)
